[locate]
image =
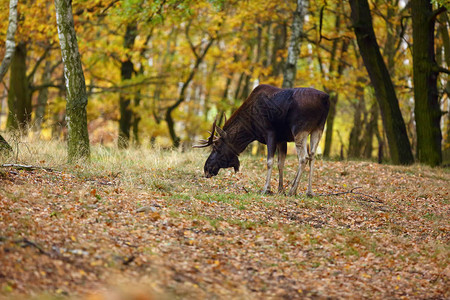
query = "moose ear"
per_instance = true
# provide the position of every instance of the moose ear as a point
(221, 132)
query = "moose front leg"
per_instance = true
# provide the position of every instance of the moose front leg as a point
(271, 147)
(282, 150)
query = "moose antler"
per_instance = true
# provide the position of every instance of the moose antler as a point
(212, 138)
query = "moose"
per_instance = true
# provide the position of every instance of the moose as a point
(272, 116)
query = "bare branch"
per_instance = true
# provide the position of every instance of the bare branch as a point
(186, 32)
(443, 70)
(26, 167)
(437, 12)
(352, 191)
(39, 61)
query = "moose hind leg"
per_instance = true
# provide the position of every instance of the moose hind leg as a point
(300, 144)
(271, 147)
(282, 149)
(314, 141)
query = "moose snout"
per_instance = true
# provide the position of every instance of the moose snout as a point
(208, 175)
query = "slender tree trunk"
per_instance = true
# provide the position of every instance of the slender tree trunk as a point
(446, 45)
(19, 100)
(389, 50)
(78, 136)
(10, 39)
(279, 43)
(5, 148)
(246, 88)
(136, 119)
(354, 144)
(42, 100)
(290, 68)
(330, 124)
(399, 146)
(126, 71)
(371, 128)
(334, 95)
(427, 111)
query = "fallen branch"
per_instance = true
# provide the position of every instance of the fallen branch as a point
(352, 191)
(26, 242)
(26, 167)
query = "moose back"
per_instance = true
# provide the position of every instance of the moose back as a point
(272, 116)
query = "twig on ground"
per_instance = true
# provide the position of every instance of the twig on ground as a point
(27, 242)
(24, 242)
(352, 191)
(26, 167)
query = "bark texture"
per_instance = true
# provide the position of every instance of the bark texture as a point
(126, 72)
(334, 95)
(42, 99)
(394, 125)
(78, 137)
(10, 39)
(5, 148)
(290, 68)
(19, 100)
(427, 111)
(444, 22)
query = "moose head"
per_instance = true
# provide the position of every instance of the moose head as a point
(222, 156)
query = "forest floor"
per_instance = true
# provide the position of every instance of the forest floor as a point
(146, 224)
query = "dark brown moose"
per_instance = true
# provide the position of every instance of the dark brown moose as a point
(273, 117)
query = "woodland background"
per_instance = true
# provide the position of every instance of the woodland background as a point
(158, 72)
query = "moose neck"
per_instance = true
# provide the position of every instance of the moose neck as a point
(239, 134)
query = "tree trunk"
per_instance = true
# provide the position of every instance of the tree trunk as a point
(427, 111)
(334, 95)
(290, 68)
(5, 148)
(330, 124)
(10, 39)
(279, 43)
(126, 71)
(354, 144)
(399, 146)
(19, 100)
(390, 50)
(446, 45)
(136, 119)
(371, 129)
(78, 136)
(42, 100)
